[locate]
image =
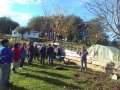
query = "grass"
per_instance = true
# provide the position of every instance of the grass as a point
(44, 77)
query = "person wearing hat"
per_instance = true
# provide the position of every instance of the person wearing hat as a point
(6, 55)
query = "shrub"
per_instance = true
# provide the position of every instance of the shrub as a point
(11, 43)
(75, 40)
(43, 40)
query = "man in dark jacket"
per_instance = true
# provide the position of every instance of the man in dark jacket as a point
(50, 53)
(59, 50)
(31, 51)
(42, 53)
(6, 55)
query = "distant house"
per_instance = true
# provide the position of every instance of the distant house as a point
(26, 35)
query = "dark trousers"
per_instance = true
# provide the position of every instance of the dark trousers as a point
(36, 55)
(28, 55)
(31, 55)
(84, 60)
(42, 61)
(22, 62)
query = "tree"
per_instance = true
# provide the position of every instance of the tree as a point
(40, 24)
(114, 43)
(22, 30)
(34, 23)
(108, 11)
(72, 27)
(7, 25)
(95, 30)
(58, 21)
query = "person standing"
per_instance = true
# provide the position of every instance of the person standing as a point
(59, 50)
(50, 53)
(30, 42)
(31, 51)
(83, 55)
(27, 52)
(36, 54)
(6, 55)
(16, 57)
(42, 53)
(23, 55)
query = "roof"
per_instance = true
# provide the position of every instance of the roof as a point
(30, 31)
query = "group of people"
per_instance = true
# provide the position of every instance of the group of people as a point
(10, 59)
(34, 52)
(17, 56)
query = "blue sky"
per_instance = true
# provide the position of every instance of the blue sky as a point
(22, 10)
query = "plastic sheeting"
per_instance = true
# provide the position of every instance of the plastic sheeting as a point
(104, 52)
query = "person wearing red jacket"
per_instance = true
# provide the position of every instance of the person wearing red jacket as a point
(16, 57)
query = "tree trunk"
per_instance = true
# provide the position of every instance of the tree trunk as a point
(53, 39)
(22, 37)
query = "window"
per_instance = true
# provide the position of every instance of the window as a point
(33, 33)
(28, 33)
(15, 32)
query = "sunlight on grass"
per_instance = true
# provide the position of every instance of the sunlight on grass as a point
(42, 77)
(45, 77)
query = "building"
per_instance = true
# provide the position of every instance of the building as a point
(26, 35)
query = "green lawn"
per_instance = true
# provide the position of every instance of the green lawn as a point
(44, 77)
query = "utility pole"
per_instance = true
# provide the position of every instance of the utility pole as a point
(10, 32)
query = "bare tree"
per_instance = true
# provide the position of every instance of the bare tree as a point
(56, 21)
(108, 11)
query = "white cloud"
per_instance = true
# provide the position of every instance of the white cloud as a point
(6, 9)
(21, 1)
(27, 1)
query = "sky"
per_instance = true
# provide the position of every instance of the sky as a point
(22, 11)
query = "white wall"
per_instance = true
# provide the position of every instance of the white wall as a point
(32, 34)
(15, 34)
(26, 35)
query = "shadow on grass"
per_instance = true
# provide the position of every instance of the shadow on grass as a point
(14, 87)
(71, 66)
(53, 81)
(49, 73)
(55, 74)
(45, 66)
